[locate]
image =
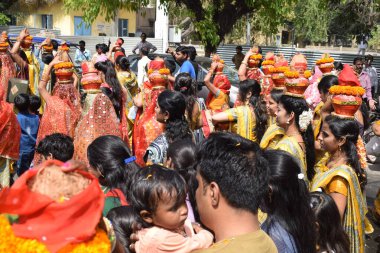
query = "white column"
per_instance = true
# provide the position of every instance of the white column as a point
(161, 28)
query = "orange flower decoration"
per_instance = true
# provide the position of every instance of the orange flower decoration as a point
(48, 47)
(267, 62)
(221, 61)
(4, 44)
(29, 37)
(347, 90)
(325, 60)
(256, 57)
(164, 71)
(10, 243)
(307, 73)
(292, 74)
(281, 69)
(64, 65)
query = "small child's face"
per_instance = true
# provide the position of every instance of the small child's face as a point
(168, 215)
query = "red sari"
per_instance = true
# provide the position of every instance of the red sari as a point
(147, 128)
(8, 71)
(61, 114)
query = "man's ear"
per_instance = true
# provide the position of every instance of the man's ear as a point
(146, 216)
(215, 194)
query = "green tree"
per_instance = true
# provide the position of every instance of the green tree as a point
(212, 19)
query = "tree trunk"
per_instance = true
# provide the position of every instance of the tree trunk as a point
(209, 49)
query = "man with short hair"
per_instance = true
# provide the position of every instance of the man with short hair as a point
(238, 57)
(142, 75)
(371, 70)
(56, 146)
(81, 54)
(182, 56)
(143, 43)
(232, 180)
(365, 82)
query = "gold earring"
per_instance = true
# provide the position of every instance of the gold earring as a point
(287, 122)
(339, 149)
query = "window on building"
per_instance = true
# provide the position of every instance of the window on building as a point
(47, 21)
(123, 27)
(80, 27)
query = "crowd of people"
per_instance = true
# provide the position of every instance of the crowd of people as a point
(111, 161)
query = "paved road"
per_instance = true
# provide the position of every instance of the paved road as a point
(373, 240)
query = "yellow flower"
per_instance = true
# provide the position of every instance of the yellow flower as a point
(292, 74)
(347, 90)
(267, 62)
(164, 71)
(307, 73)
(325, 60)
(256, 57)
(63, 65)
(281, 69)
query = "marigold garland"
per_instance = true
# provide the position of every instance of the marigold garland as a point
(164, 71)
(267, 62)
(48, 47)
(256, 57)
(347, 90)
(29, 37)
(307, 74)
(281, 69)
(63, 65)
(325, 60)
(4, 44)
(10, 243)
(292, 74)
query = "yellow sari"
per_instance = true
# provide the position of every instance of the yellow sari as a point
(272, 136)
(290, 145)
(34, 71)
(245, 121)
(354, 215)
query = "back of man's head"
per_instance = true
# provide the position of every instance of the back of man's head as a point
(82, 42)
(144, 51)
(237, 166)
(192, 52)
(22, 102)
(56, 146)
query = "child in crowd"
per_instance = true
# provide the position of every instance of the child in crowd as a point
(122, 219)
(29, 124)
(181, 156)
(331, 236)
(56, 146)
(35, 104)
(158, 197)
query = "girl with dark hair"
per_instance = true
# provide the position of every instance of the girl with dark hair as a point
(181, 156)
(122, 219)
(170, 110)
(194, 105)
(295, 117)
(158, 198)
(340, 175)
(290, 221)
(274, 133)
(103, 113)
(112, 163)
(128, 80)
(250, 117)
(330, 234)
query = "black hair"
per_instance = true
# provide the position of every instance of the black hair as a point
(22, 102)
(23, 56)
(104, 48)
(326, 82)
(60, 146)
(357, 59)
(330, 233)
(237, 166)
(299, 105)
(54, 43)
(187, 87)
(144, 51)
(182, 154)
(47, 58)
(171, 66)
(123, 219)
(257, 103)
(152, 184)
(338, 66)
(35, 103)
(369, 57)
(143, 34)
(107, 154)
(288, 200)
(192, 52)
(276, 95)
(183, 50)
(82, 42)
(122, 40)
(114, 94)
(349, 129)
(123, 62)
(98, 46)
(176, 126)
(239, 48)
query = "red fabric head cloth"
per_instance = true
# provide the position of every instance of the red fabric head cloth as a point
(157, 64)
(53, 223)
(347, 77)
(117, 54)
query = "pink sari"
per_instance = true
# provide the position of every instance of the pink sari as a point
(8, 71)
